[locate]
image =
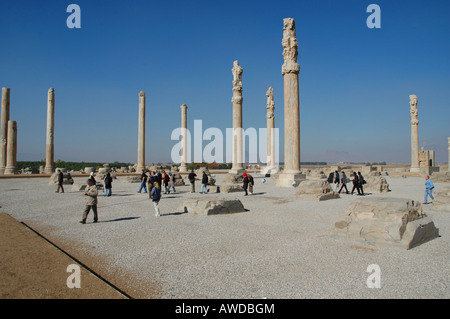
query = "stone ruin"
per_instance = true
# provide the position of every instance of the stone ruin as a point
(67, 178)
(316, 173)
(386, 221)
(233, 179)
(318, 190)
(199, 172)
(440, 177)
(375, 184)
(441, 200)
(208, 207)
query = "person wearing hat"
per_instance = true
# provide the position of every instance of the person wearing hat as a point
(246, 181)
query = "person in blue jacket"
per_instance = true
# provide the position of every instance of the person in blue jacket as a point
(429, 186)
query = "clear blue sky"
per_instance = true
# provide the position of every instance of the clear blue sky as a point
(355, 82)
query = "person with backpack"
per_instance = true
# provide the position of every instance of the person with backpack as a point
(166, 183)
(245, 181)
(108, 184)
(355, 183)
(361, 183)
(204, 183)
(191, 178)
(343, 182)
(156, 196)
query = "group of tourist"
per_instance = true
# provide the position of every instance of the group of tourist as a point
(155, 180)
(342, 180)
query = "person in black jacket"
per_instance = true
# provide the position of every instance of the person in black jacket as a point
(108, 184)
(361, 182)
(336, 180)
(143, 182)
(60, 181)
(204, 183)
(245, 181)
(191, 178)
(355, 183)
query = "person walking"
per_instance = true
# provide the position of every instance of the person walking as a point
(245, 181)
(172, 182)
(166, 183)
(343, 182)
(108, 184)
(250, 184)
(336, 180)
(91, 201)
(159, 179)
(330, 178)
(429, 186)
(60, 182)
(191, 178)
(361, 181)
(355, 183)
(151, 181)
(156, 196)
(143, 182)
(204, 183)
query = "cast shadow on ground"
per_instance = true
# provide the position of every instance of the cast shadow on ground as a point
(118, 219)
(174, 214)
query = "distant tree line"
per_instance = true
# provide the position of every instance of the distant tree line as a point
(76, 166)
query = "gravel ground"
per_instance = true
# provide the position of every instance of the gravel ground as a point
(280, 248)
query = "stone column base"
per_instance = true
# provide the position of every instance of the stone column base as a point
(49, 170)
(182, 169)
(287, 179)
(414, 169)
(10, 170)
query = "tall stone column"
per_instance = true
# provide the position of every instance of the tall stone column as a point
(141, 133)
(183, 166)
(4, 128)
(414, 134)
(270, 129)
(237, 167)
(11, 160)
(291, 175)
(50, 147)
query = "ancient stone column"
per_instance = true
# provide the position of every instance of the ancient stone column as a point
(414, 134)
(11, 157)
(50, 147)
(183, 167)
(141, 133)
(291, 175)
(270, 129)
(4, 128)
(237, 167)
